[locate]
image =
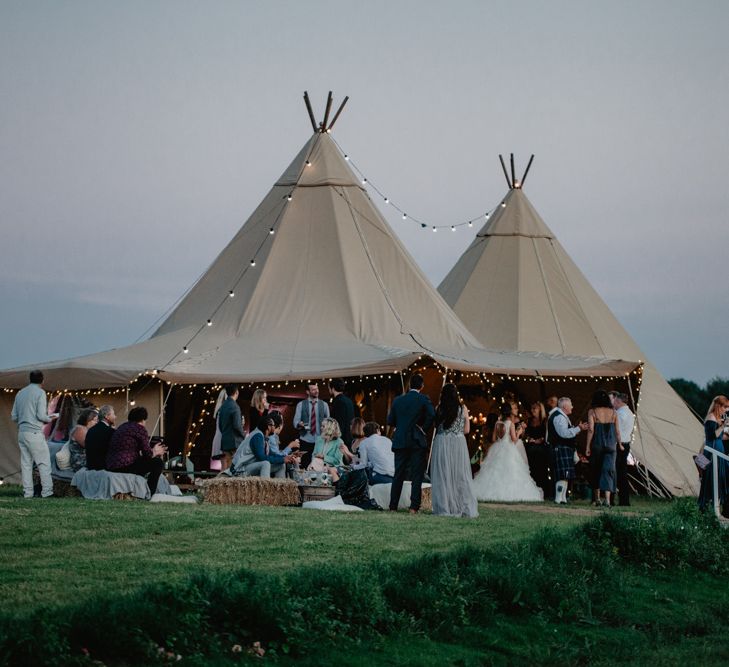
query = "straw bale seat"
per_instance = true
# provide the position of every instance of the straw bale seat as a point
(226, 490)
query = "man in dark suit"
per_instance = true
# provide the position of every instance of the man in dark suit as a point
(230, 423)
(411, 414)
(342, 409)
(98, 438)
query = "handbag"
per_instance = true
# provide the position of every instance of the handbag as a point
(317, 465)
(63, 457)
(702, 462)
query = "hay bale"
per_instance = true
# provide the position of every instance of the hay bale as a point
(62, 489)
(226, 490)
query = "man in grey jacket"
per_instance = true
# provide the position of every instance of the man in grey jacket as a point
(30, 412)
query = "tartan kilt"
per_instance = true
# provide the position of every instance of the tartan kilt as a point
(564, 462)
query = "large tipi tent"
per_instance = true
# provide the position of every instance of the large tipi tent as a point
(315, 284)
(517, 268)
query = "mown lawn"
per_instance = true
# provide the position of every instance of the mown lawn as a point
(59, 550)
(131, 583)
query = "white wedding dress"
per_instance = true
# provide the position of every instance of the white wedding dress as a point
(504, 474)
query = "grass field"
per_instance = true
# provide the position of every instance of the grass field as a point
(82, 547)
(517, 586)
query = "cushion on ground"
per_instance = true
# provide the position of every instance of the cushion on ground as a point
(380, 493)
(250, 491)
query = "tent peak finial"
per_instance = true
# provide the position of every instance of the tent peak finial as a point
(512, 181)
(325, 126)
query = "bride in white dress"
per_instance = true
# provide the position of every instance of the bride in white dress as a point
(504, 474)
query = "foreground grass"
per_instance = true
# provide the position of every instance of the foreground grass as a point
(516, 587)
(64, 549)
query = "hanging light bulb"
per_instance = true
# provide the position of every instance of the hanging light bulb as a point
(289, 198)
(185, 350)
(503, 204)
(231, 294)
(487, 216)
(435, 229)
(364, 181)
(404, 215)
(453, 228)
(387, 201)
(210, 323)
(132, 402)
(423, 225)
(270, 231)
(253, 262)
(308, 164)
(346, 157)
(470, 223)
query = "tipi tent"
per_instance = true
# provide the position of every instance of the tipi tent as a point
(517, 268)
(315, 284)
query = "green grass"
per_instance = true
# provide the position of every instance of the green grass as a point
(82, 546)
(515, 587)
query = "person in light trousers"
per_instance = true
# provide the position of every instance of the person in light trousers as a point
(30, 412)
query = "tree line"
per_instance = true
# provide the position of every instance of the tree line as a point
(698, 398)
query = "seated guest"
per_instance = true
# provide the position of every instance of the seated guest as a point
(77, 439)
(274, 446)
(259, 408)
(329, 449)
(356, 428)
(98, 438)
(254, 457)
(130, 451)
(375, 453)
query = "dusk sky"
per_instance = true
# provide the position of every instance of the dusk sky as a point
(137, 137)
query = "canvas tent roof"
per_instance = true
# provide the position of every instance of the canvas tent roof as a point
(332, 292)
(517, 269)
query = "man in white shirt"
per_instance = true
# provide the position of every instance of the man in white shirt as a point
(30, 412)
(626, 422)
(375, 453)
(308, 417)
(561, 437)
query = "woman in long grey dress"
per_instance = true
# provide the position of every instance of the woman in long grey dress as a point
(450, 468)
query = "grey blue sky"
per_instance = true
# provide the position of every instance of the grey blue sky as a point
(137, 136)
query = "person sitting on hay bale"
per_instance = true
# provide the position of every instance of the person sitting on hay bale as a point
(254, 457)
(330, 450)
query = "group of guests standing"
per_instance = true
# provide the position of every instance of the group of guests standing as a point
(94, 442)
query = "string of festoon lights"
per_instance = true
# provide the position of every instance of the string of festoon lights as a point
(270, 231)
(406, 217)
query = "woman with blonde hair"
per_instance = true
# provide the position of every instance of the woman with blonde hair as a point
(717, 419)
(259, 408)
(329, 449)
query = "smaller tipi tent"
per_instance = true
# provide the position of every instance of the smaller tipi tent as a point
(531, 296)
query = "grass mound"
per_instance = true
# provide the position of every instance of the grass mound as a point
(579, 578)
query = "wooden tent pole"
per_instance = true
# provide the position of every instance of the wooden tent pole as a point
(506, 174)
(526, 171)
(326, 113)
(311, 111)
(336, 115)
(513, 173)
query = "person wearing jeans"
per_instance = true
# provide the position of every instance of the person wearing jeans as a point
(30, 412)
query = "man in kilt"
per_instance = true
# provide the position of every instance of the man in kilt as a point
(561, 437)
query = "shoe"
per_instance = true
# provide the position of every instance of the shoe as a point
(412, 511)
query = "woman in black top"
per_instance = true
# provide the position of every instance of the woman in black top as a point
(536, 449)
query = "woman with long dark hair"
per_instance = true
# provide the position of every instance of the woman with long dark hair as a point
(603, 436)
(450, 467)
